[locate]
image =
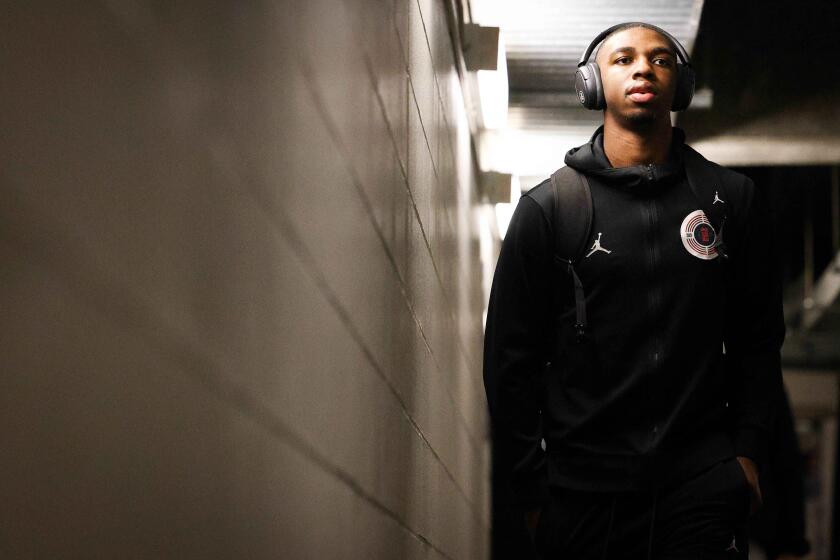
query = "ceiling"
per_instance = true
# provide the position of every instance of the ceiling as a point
(543, 58)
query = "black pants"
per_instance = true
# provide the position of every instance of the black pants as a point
(701, 518)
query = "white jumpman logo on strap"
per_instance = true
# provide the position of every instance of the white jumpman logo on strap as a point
(717, 199)
(597, 247)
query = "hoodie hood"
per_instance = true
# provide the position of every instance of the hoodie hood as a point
(590, 159)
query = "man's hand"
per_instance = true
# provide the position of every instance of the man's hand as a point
(751, 472)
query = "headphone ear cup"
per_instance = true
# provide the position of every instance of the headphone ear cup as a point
(601, 102)
(685, 88)
(588, 86)
(583, 85)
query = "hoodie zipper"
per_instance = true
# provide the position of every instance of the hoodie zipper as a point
(654, 296)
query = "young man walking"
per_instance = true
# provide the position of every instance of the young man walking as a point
(630, 382)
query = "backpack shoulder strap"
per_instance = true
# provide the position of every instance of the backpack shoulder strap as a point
(572, 213)
(710, 190)
(572, 228)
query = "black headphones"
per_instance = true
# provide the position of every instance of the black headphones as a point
(590, 90)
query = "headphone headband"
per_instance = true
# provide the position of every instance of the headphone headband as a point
(681, 52)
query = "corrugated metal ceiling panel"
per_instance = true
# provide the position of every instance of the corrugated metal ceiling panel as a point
(545, 38)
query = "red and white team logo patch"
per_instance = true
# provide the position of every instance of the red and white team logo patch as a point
(698, 236)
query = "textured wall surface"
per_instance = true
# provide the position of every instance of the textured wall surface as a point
(241, 303)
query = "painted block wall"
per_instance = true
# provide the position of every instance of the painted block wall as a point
(241, 289)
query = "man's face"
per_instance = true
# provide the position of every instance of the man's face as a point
(639, 74)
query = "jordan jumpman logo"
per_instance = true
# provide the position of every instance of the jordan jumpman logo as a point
(732, 545)
(717, 199)
(597, 247)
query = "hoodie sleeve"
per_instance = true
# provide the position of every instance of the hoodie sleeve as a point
(515, 355)
(755, 329)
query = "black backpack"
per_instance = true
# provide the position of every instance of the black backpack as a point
(573, 217)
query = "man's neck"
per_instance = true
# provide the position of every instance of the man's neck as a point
(626, 147)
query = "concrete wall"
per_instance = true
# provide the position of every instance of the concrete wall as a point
(240, 300)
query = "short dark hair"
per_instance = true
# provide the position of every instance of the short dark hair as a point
(632, 26)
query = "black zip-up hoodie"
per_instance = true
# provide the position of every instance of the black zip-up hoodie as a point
(647, 397)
